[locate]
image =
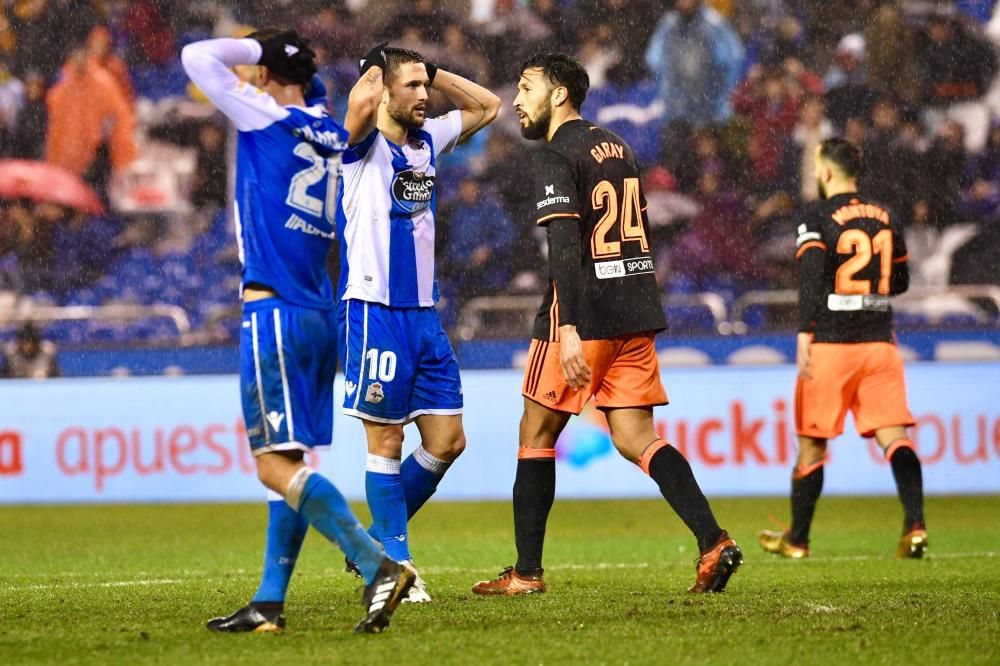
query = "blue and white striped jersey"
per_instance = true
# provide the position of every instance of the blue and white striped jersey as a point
(287, 175)
(386, 222)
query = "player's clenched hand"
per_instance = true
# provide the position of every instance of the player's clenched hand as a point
(803, 343)
(574, 366)
(374, 58)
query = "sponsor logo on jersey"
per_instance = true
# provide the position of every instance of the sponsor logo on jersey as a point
(349, 387)
(274, 419)
(374, 394)
(413, 190)
(296, 223)
(623, 268)
(551, 200)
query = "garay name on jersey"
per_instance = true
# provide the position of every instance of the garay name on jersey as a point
(606, 150)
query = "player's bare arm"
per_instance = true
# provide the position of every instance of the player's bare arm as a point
(362, 105)
(574, 365)
(803, 343)
(478, 105)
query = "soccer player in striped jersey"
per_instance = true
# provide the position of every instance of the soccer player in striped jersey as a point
(287, 165)
(398, 363)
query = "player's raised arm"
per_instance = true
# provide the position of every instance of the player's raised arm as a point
(365, 96)
(208, 64)
(478, 105)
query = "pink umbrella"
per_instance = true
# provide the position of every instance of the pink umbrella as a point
(40, 181)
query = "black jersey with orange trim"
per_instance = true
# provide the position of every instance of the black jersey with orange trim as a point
(589, 175)
(852, 257)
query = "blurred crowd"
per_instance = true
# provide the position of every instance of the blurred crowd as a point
(723, 102)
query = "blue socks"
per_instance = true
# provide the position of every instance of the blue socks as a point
(325, 508)
(286, 530)
(388, 505)
(419, 476)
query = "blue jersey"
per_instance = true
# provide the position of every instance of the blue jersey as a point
(287, 176)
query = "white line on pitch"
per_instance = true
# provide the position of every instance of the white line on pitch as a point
(194, 576)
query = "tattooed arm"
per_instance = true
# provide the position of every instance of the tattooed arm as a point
(478, 105)
(362, 105)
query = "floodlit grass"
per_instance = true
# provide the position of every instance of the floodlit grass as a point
(135, 584)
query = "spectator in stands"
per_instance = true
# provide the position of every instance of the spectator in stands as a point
(151, 39)
(100, 54)
(30, 236)
(477, 238)
(460, 57)
(703, 157)
(941, 175)
(770, 98)
(88, 110)
(563, 20)
(28, 140)
(8, 40)
(891, 166)
(812, 129)
(891, 64)
(29, 356)
(628, 104)
(954, 65)
(423, 16)
(697, 60)
(330, 30)
(509, 37)
(981, 197)
(717, 244)
(45, 30)
(848, 93)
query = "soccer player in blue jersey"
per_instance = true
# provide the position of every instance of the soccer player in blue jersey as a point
(398, 363)
(287, 165)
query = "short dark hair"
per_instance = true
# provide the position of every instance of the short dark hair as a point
(844, 154)
(562, 70)
(396, 57)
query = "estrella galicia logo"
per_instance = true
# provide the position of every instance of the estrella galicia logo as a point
(413, 190)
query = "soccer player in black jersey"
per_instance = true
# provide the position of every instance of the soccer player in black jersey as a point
(593, 336)
(852, 258)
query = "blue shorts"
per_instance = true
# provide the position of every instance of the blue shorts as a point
(398, 363)
(288, 361)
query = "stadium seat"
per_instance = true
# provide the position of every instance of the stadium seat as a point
(683, 356)
(973, 350)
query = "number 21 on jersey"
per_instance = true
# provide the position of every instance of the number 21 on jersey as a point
(861, 247)
(320, 167)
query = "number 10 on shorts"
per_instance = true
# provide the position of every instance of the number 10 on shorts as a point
(381, 365)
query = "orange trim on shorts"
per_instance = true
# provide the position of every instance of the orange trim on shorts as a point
(649, 452)
(899, 260)
(803, 471)
(808, 245)
(901, 443)
(527, 453)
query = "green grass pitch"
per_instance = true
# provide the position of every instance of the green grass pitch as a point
(134, 584)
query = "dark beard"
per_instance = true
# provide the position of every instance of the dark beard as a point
(822, 189)
(538, 129)
(405, 118)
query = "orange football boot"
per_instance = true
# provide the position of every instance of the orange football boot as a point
(510, 583)
(716, 565)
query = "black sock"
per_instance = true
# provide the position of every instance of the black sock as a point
(805, 493)
(673, 475)
(910, 485)
(534, 492)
